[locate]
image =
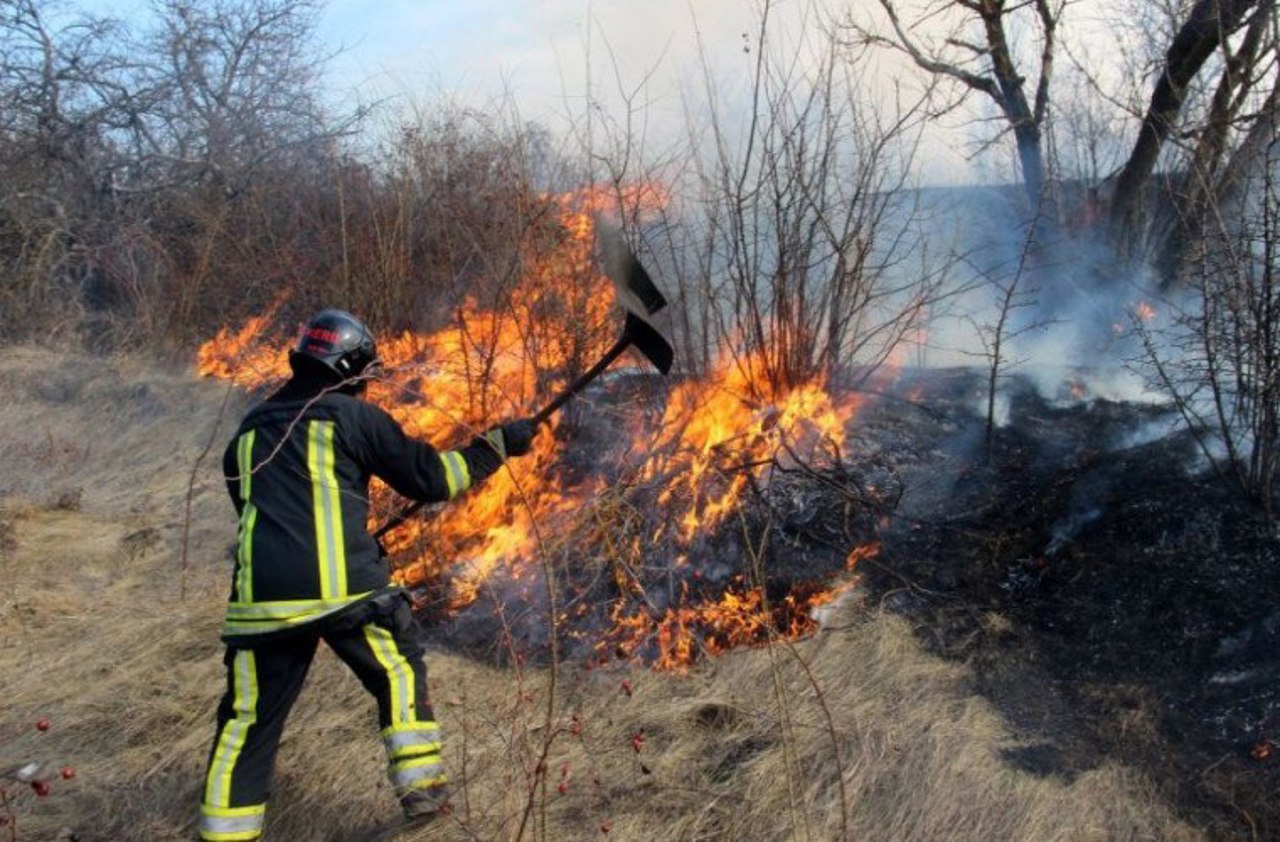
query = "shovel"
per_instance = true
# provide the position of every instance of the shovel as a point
(640, 298)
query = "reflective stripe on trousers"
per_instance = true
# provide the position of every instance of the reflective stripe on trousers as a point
(412, 738)
(417, 773)
(226, 753)
(231, 824)
(413, 756)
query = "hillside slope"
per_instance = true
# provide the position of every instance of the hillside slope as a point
(114, 579)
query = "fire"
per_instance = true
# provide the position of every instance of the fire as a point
(715, 427)
(241, 356)
(741, 616)
(860, 553)
(718, 436)
(1141, 313)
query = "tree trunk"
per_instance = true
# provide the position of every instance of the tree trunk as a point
(1013, 101)
(1204, 181)
(1207, 26)
(1251, 156)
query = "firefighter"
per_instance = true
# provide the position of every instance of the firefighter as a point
(307, 570)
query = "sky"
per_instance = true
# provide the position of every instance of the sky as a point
(547, 55)
(544, 57)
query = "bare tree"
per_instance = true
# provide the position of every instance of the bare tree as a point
(66, 86)
(1013, 289)
(68, 93)
(807, 218)
(1205, 30)
(988, 64)
(1218, 354)
(242, 86)
(122, 148)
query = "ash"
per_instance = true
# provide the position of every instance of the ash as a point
(1116, 602)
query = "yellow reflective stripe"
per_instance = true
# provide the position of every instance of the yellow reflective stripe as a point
(222, 824)
(427, 725)
(213, 835)
(419, 762)
(233, 812)
(248, 518)
(417, 773)
(327, 510)
(410, 739)
(399, 673)
(244, 683)
(456, 474)
(264, 617)
(286, 609)
(425, 783)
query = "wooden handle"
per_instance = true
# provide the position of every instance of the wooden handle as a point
(546, 412)
(587, 376)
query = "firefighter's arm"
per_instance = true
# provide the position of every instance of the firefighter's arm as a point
(418, 471)
(231, 473)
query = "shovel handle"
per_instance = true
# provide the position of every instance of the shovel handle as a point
(587, 376)
(546, 412)
(397, 519)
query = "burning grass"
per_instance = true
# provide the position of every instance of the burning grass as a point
(654, 525)
(851, 733)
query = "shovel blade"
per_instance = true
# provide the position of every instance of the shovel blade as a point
(646, 339)
(635, 290)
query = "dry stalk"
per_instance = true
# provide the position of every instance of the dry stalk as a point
(191, 487)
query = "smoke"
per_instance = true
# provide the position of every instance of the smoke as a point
(1067, 529)
(1053, 301)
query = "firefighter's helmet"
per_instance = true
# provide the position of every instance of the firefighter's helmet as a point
(340, 341)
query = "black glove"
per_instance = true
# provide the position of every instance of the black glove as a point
(514, 438)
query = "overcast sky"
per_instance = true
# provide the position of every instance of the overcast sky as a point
(548, 54)
(539, 51)
(544, 56)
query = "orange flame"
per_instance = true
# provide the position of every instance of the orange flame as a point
(718, 435)
(717, 426)
(742, 616)
(241, 356)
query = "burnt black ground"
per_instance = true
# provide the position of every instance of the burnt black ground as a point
(1116, 600)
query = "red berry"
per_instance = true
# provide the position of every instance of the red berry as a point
(67, 773)
(43, 725)
(626, 686)
(563, 788)
(606, 826)
(637, 741)
(41, 788)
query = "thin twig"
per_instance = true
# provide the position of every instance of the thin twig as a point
(191, 487)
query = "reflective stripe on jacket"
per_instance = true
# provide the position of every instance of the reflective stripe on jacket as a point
(298, 472)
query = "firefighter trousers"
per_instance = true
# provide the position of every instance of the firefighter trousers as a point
(381, 643)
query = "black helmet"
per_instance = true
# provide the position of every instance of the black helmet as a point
(338, 340)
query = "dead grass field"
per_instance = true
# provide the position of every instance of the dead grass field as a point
(854, 733)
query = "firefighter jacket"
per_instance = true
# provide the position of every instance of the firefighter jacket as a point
(298, 472)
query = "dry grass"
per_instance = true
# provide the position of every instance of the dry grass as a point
(853, 734)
